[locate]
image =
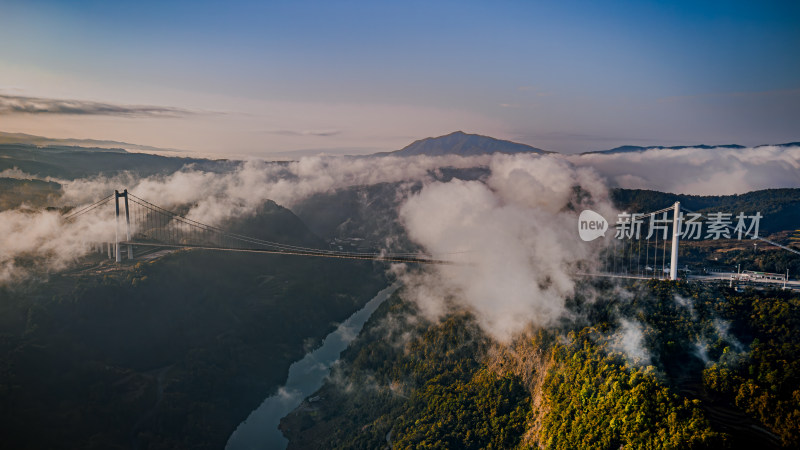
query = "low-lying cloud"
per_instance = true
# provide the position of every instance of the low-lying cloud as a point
(213, 198)
(216, 197)
(699, 171)
(40, 241)
(629, 341)
(516, 235)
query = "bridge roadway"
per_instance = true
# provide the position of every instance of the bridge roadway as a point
(738, 279)
(710, 278)
(323, 254)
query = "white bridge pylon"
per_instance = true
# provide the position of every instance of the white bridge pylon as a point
(117, 196)
(676, 234)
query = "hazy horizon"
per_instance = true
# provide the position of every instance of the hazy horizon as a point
(258, 79)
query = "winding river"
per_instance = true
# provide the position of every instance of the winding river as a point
(260, 430)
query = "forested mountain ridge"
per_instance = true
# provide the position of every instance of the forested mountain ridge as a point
(710, 373)
(779, 208)
(77, 162)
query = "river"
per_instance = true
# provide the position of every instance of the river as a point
(260, 430)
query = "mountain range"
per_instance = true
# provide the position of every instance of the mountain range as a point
(636, 148)
(456, 143)
(466, 144)
(41, 141)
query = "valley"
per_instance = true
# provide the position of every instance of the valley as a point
(176, 348)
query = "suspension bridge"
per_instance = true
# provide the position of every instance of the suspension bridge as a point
(144, 224)
(639, 251)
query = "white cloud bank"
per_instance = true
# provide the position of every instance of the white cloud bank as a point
(699, 171)
(519, 239)
(514, 233)
(214, 197)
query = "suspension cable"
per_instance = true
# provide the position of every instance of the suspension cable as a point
(746, 233)
(86, 209)
(655, 253)
(285, 247)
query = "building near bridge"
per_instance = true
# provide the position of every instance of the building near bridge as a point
(756, 276)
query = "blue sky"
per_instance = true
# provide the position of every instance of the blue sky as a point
(262, 77)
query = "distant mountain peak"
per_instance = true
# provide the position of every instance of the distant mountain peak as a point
(463, 144)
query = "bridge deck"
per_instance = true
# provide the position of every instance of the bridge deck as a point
(321, 254)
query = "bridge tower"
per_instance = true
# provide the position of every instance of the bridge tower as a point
(117, 196)
(676, 233)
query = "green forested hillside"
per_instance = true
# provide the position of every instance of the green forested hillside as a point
(711, 371)
(764, 382)
(429, 392)
(595, 400)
